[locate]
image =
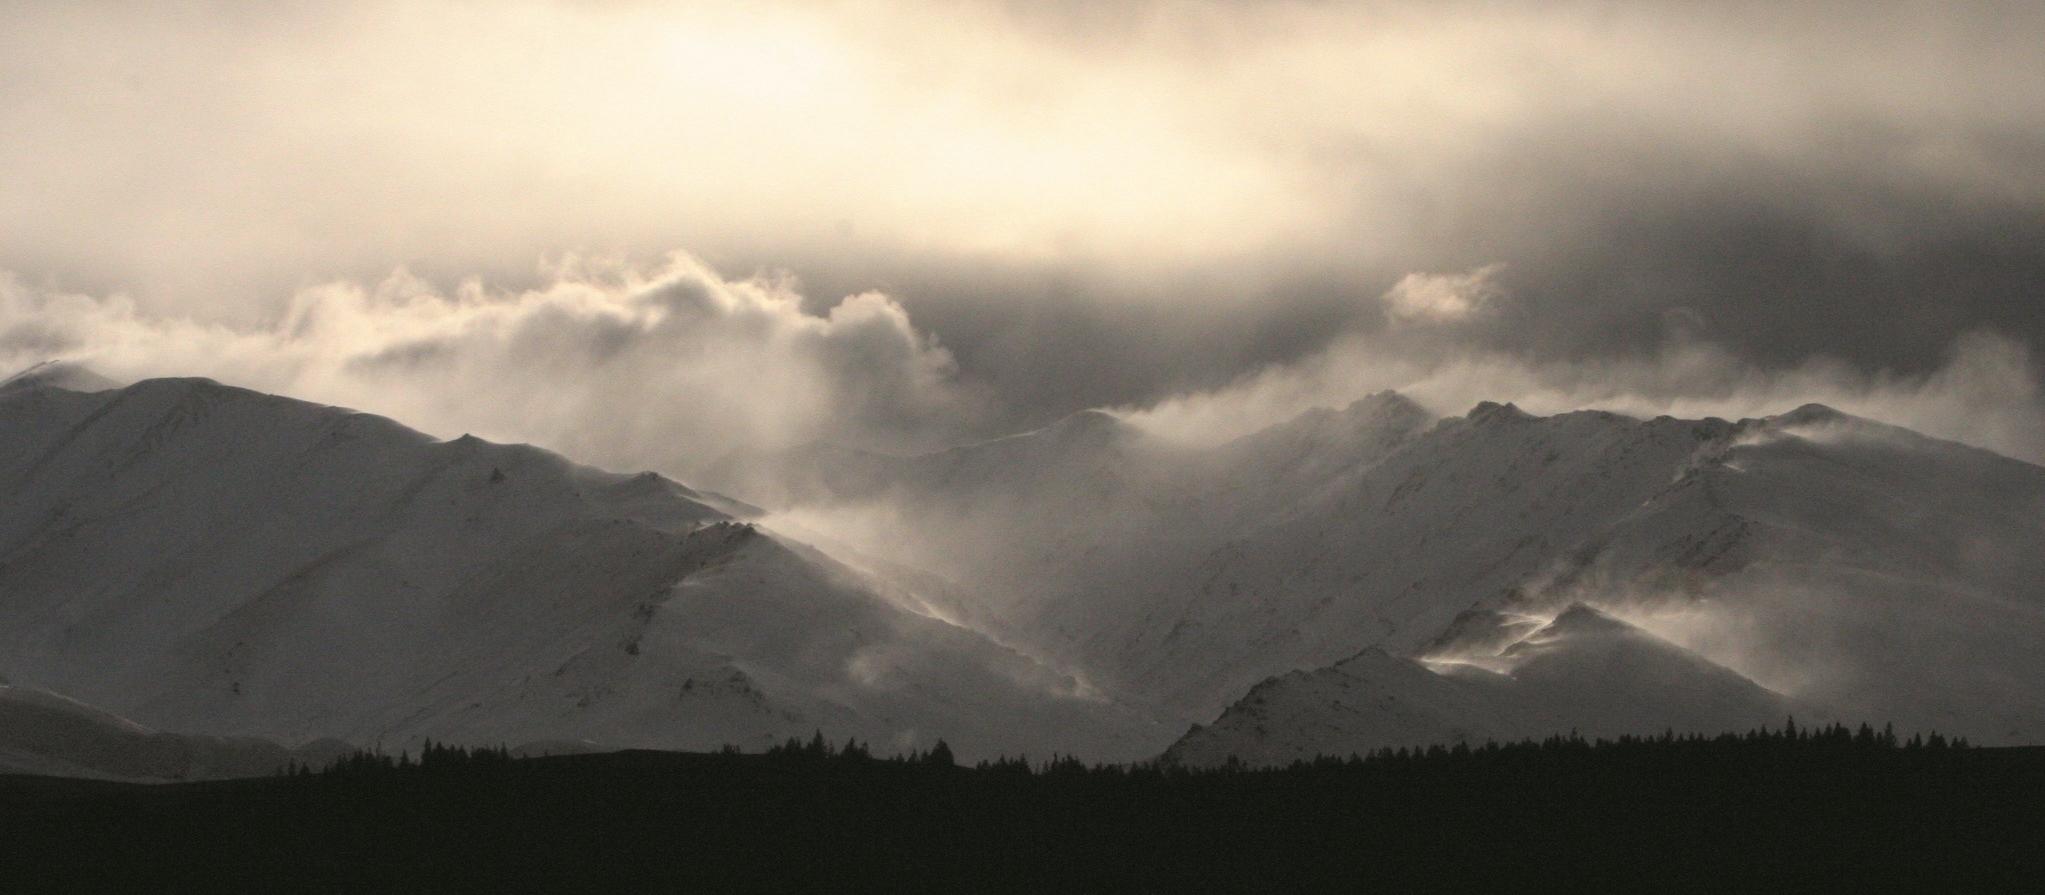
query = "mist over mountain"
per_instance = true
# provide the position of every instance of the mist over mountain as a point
(1862, 569)
(212, 560)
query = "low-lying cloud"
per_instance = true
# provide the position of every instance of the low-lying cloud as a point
(673, 367)
(667, 366)
(1985, 393)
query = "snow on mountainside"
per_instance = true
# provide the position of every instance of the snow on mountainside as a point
(1866, 570)
(1872, 573)
(204, 558)
(1181, 577)
(1388, 552)
(1081, 538)
(200, 557)
(1583, 671)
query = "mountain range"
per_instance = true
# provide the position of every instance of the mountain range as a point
(182, 555)
(1856, 569)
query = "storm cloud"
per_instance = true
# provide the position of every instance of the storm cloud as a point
(1169, 208)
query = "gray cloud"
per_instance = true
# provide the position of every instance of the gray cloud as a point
(1084, 207)
(1984, 391)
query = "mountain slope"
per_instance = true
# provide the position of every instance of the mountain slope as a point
(1388, 553)
(1582, 672)
(202, 557)
(1869, 570)
(1872, 573)
(1182, 576)
(43, 733)
(1081, 539)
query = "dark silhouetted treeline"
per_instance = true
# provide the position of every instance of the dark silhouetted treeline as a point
(1824, 809)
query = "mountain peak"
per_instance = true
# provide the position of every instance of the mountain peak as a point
(1387, 403)
(1582, 619)
(1811, 413)
(1490, 411)
(61, 374)
(1083, 426)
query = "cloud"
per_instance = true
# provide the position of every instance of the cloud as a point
(671, 366)
(1086, 207)
(1985, 392)
(665, 366)
(1861, 181)
(1442, 298)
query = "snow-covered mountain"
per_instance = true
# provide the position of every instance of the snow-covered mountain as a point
(1869, 572)
(1086, 539)
(1860, 569)
(204, 558)
(1582, 672)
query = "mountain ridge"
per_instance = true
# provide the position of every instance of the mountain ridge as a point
(1582, 672)
(204, 557)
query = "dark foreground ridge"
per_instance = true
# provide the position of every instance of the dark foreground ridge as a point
(1806, 810)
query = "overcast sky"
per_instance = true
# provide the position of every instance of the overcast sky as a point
(648, 234)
